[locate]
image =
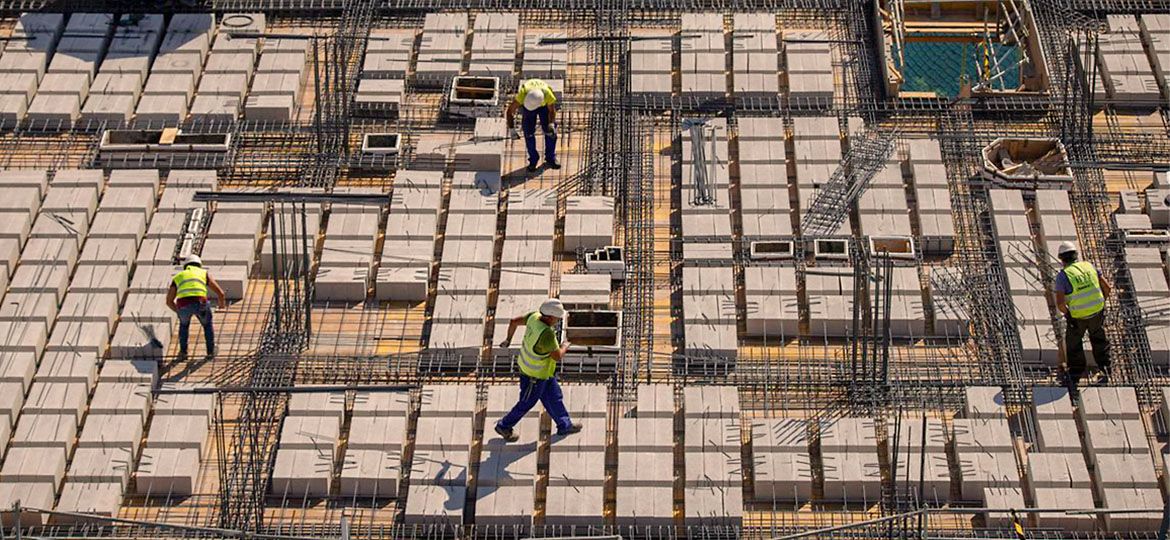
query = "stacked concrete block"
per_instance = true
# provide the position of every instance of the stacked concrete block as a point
(460, 308)
(585, 290)
(25, 190)
(176, 70)
(106, 450)
(506, 486)
(754, 56)
(764, 206)
(219, 96)
(1019, 260)
(809, 65)
(984, 449)
(850, 461)
(405, 267)
(308, 447)
(545, 57)
(704, 56)
(817, 152)
(525, 275)
(650, 68)
(932, 193)
(74, 64)
(781, 460)
(229, 246)
(830, 301)
(1155, 31)
(920, 446)
(290, 226)
(1125, 67)
(705, 207)
(373, 455)
(439, 470)
(382, 83)
(773, 310)
(645, 476)
(1145, 268)
(23, 64)
(882, 208)
(1116, 440)
(709, 321)
(276, 86)
(440, 52)
(713, 493)
(348, 254)
(576, 478)
(493, 45)
(114, 92)
(1059, 478)
(588, 222)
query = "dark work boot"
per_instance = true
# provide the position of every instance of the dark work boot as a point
(531, 167)
(509, 435)
(552, 165)
(574, 427)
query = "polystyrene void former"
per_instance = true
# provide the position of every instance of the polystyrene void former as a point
(771, 250)
(609, 259)
(129, 146)
(473, 97)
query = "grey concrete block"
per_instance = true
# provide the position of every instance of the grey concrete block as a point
(851, 477)
(121, 398)
(377, 432)
(45, 431)
(1132, 498)
(16, 368)
(1114, 436)
(402, 283)
(429, 504)
(713, 506)
(164, 109)
(1057, 470)
(1100, 403)
(13, 109)
(190, 431)
(141, 339)
(342, 283)
(68, 367)
(1064, 498)
(325, 403)
(130, 371)
(168, 472)
(370, 473)
(230, 62)
(181, 404)
(980, 470)
(985, 434)
(1051, 402)
(30, 307)
(270, 108)
(23, 336)
(213, 108)
(302, 474)
(110, 431)
(90, 498)
(26, 464)
(644, 506)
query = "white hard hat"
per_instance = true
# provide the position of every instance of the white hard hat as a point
(1066, 247)
(553, 308)
(192, 259)
(534, 99)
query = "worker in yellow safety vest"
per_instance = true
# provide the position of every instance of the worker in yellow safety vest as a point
(187, 296)
(540, 103)
(1080, 296)
(538, 365)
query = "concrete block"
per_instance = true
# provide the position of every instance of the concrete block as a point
(851, 477)
(23, 336)
(505, 505)
(280, 108)
(16, 368)
(325, 403)
(1114, 437)
(54, 398)
(85, 336)
(1099, 403)
(1057, 470)
(302, 474)
(712, 434)
(190, 431)
(68, 367)
(980, 470)
(215, 108)
(31, 305)
(10, 403)
(1001, 497)
(342, 283)
(182, 404)
(402, 283)
(644, 506)
(121, 398)
(141, 339)
(45, 431)
(370, 473)
(24, 464)
(1051, 402)
(430, 504)
(103, 464)
(1125, 471)
(990, 434)
(785, 476)
(713, 506)
(230, 62)
(646, 468)
(111, 431)
(1064, 498)
(573, 505)
(168, 472)
(447, 400)
(1132, 498)
(377, 433)
(13, 109)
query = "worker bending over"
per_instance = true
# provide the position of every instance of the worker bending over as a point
(538, 364)
(187, 296)
(1080, 295)
(539, 104)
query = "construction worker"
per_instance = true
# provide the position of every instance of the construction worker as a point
(539, 104)
(538, 364)
(187, 296)
(1080, 295)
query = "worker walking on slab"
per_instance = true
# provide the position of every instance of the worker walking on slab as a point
(187, 296)
(538, 364)
(540, 103)
(1080, 295)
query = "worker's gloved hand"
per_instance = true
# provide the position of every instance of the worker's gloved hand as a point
(505, 344)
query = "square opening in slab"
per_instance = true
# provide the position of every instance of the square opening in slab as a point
(593, 328)
(831, 248)
(381, 143)
(166, 140)
(475, 91)
(897, 247)
(776, 249)
(1024, 163)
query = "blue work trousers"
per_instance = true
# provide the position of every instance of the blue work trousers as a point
(548, 393)
(201, 311)
(528, 125)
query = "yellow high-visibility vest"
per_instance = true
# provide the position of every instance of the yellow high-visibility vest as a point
(191, 281)
(532, 364)
(1086, 298)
